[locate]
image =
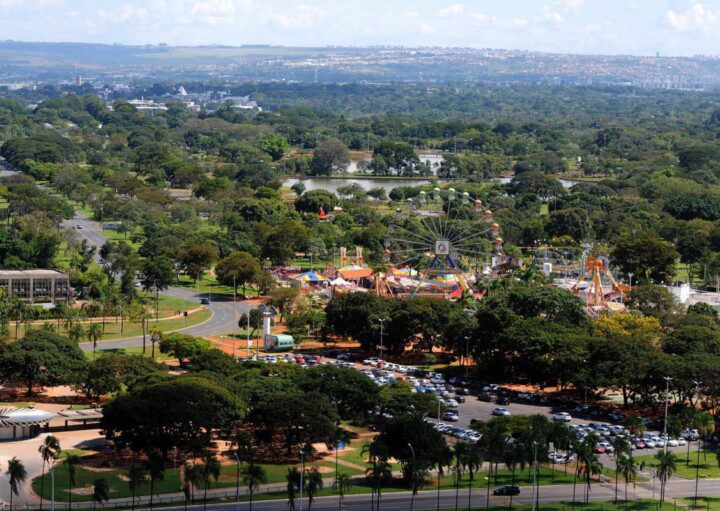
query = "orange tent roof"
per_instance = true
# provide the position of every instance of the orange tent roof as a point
(355, 273)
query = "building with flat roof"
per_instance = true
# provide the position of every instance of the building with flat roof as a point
(36, 286)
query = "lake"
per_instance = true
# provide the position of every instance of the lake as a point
(331, 185)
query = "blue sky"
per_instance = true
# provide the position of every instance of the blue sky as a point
(640, 27)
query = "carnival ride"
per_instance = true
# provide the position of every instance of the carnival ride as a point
(599, 289)
(447, 238)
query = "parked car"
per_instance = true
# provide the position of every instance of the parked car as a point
(451, 417)
(562, 416)
(673, 442)
(502, 401)
(499, 411)
(691, 434)
(507, 490)
(639, 444)
(486, 396)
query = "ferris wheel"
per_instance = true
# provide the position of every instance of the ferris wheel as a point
(444, 233)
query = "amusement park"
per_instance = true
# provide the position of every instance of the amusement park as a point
(448, 245)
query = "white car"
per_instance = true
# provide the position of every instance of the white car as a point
(562, 416)
(681, 441)
(672, 442)
(500, 411)
(649, 444)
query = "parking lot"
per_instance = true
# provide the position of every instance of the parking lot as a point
(463, 405)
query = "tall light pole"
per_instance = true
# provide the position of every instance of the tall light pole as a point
(534, 503)
(697, 465)
(467, 354)
(52, 483)
(667, 379)
(382, 324)
(302, 470)
(412, 474)
(630, 275)
(248, 333)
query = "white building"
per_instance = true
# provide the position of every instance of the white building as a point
(18, 423)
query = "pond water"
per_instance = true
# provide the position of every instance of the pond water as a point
(331, 185)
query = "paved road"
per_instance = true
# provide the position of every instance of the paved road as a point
(225, 314)
(428, 500)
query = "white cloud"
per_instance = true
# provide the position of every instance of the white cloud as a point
(450, 12)
(301, 16)
(696, 17)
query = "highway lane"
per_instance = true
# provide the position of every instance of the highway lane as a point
(429, 499)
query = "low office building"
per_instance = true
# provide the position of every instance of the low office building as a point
(36, 286)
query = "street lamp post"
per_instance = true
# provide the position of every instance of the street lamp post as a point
(630, 275)
(667, 379)
(535, 448)
(52, 484)
(697, 464)
(248, 334)
(302, 470)
(467, 354)
(412, 474)
(382, 324)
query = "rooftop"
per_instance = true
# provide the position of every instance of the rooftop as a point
(17, 274)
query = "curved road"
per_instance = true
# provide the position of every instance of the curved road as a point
(225, 314)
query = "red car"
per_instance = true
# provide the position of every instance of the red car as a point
(639, 444)
(600, 449)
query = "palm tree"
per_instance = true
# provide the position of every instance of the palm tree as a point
(192, 478)
(620, 447)
(561, 438)
(379, 474)
(140, 314)
(458, 470)
(473, 462)
(94, 333)
(293, 483)
(380, 470)
(155, 467)
(628, 469)
(72, 462)
(342, 484)
(252, 476)
(243, 444)
(210, 470)
(495, 440)
(155, 336)
(101, 492)
(137, 475)
(49, 449)
(666, 467)
(16, 474)
(588, 463)
(313, 485)
(69, 318)
(444, 459)
(76, 332)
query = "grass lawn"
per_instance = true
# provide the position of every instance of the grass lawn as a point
(209, 284)
(708, 464)
(131, 329)
(84, 481)
(709, 503)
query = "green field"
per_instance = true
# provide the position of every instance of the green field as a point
(687, 468)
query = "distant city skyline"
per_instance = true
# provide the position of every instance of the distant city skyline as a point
(633, 27)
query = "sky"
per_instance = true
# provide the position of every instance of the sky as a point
(637, 27)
